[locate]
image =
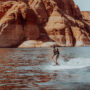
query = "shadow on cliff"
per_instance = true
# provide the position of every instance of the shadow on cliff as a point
(85, 28)
(31, 18)
(43, 35)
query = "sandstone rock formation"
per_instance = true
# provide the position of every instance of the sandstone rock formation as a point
(86, 15)
(4, 7)
(42, 23)
(11, 25)
(11, 30)
(31, 43)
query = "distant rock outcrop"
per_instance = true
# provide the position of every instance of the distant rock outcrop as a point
(42, 23)
(86, 15)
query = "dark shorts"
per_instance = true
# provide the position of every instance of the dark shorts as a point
(56, 55)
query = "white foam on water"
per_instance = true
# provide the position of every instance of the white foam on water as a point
(75, 63)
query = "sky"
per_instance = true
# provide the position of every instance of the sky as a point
(84, 5)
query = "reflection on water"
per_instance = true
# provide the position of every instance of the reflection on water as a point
(32, 69)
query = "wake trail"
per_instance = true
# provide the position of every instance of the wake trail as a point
(74, 63)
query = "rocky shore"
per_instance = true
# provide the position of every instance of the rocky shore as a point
(43, 23)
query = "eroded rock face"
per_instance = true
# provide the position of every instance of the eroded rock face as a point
(47, 22)
(39, 8)
(31, 28)
(4, 7)
(15, 25)
(86, 15)
(11, 30)
(64, 24)
(46, 7)
(66, 30)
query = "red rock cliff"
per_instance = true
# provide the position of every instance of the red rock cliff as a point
(46, 22)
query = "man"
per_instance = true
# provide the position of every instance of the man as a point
(55, 55)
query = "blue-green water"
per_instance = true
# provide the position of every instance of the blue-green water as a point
(32, 69)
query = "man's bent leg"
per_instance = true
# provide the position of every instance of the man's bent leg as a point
(56, 59)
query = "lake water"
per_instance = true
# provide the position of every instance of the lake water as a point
(33, 69)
